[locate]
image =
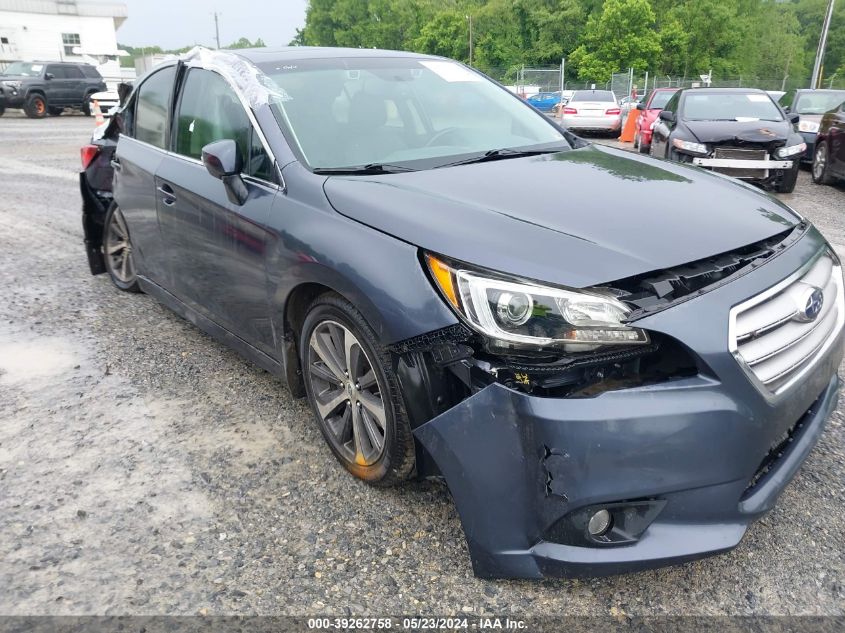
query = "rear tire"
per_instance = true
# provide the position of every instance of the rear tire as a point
(820, 171)
(86, 105)
(35, 106)
(354, 393)
(117, 251)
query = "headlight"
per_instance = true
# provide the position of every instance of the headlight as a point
(690, 147)
(12, 84)
(516, 314)
(808, 126)
(792, 150)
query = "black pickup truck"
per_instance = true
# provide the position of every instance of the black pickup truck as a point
(42, 88)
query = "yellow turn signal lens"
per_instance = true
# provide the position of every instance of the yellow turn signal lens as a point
(443, 276)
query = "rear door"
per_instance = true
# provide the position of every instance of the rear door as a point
(217, 248)
(140, 151)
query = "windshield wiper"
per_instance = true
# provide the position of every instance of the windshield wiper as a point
(371, 169)
(499, 154)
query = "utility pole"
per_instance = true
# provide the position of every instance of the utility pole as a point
(216, 29)
(469, 18)
(817, 67)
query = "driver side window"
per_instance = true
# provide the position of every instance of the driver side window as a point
(209, 110)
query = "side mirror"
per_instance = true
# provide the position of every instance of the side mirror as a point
(223, 161)
(49, 75)
(640, 106)
(666, 115)
(793, 118)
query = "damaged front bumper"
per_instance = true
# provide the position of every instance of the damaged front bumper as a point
(682, 466)
(733, 163)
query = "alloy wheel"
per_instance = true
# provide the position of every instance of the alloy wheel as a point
(119, 249)
(819, 163)
(347, 393)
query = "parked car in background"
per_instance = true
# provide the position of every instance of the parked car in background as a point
(829, 155)
(107, 100)
(649, 110)
(603, 391)
(629, 103)
(42, 88)
(811, 105)
(738, 132)
(593, 111)
(545, 101)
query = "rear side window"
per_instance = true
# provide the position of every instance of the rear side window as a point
(152, 107)
(58, 72)
(73, 72)
(209, 110)
(90, 72)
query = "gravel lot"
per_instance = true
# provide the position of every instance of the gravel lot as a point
(147, 469)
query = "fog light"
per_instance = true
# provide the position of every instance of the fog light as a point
(599, 523)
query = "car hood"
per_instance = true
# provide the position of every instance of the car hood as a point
(577, 218)
(739, 131)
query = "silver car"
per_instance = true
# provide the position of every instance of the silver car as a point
(592, 110)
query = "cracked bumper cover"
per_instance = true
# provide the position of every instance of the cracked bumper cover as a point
(735, 163)
(518, 464)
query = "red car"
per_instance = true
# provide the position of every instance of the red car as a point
(649, 110)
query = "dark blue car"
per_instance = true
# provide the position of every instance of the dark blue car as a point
(469, 294)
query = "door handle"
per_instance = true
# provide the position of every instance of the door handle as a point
(167, 194)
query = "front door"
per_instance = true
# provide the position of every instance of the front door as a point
(216, 247)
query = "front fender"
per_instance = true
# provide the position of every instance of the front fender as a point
(380, 275)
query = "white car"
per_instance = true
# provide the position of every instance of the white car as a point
(108, 101)
(594, 110)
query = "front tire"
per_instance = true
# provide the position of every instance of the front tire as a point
(354, 393)
(117, 251)
(35, 106)
(820, 171)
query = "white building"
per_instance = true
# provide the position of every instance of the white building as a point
(62, 30)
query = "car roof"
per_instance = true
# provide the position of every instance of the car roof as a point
(716, 91)
(267, 54)
(829, 90)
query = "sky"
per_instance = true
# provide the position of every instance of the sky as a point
(178, 23)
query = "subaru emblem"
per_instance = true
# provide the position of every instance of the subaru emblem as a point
(810, 305)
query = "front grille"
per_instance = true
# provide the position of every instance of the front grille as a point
(773, 335)
(735, 153)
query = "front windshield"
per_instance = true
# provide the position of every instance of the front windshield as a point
(660, 99)
(23, 69)
(730, 107)
(818, 102)
(349, 112)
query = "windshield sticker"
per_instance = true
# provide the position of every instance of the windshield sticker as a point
(451, 71)
(758, 98)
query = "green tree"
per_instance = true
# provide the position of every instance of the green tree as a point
(245, 43)
(623, 36)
